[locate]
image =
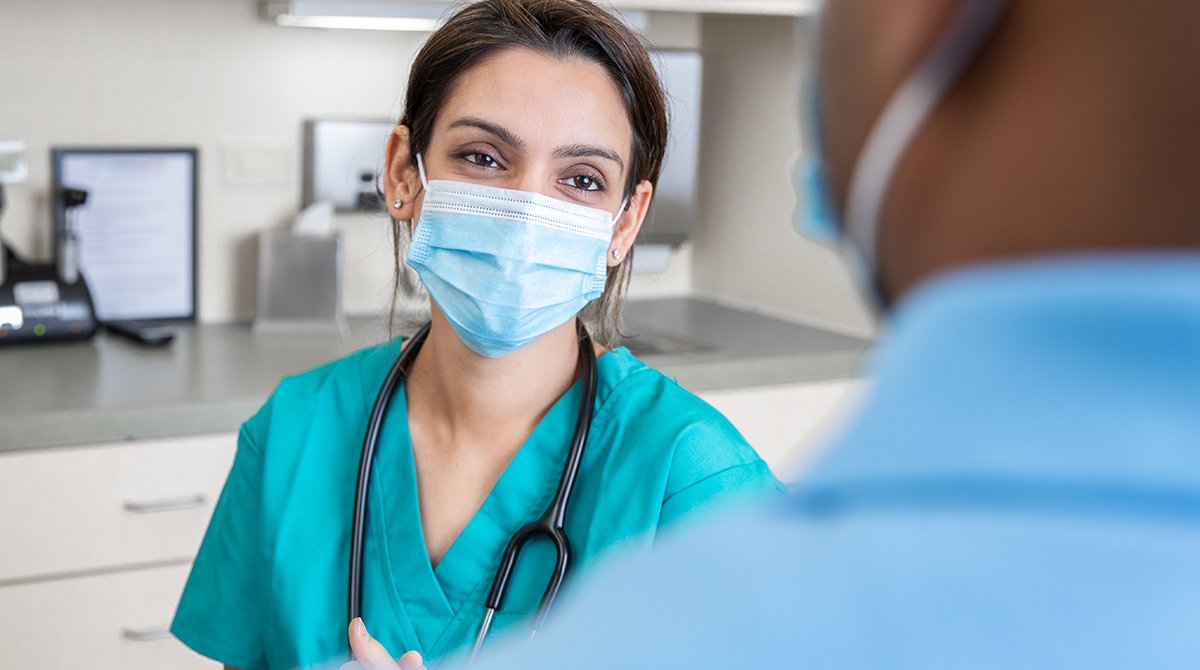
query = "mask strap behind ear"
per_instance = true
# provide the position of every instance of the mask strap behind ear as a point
(907, 112)
(421, 171)
(620, 212)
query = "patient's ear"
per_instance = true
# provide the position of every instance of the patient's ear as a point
(401, 180)
(867, 49)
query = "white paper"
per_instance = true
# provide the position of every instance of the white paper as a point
(316, 220)
(651, 258)
(136, 233)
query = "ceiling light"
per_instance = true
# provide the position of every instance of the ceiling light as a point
(358, 14)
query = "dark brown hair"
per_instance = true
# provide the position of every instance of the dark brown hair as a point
(564, 29)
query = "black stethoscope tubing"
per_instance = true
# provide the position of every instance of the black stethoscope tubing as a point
(550, 524)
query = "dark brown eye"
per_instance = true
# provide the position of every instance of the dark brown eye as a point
(584, 182)
(481, 159)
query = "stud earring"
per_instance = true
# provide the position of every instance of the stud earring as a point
(616, 254)
(398, 204)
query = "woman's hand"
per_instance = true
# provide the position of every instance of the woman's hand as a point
(369, 654)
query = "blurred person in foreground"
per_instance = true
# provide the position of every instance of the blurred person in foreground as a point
(1020, 182)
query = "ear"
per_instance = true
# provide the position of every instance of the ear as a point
(867, 49)
(629, 224)
(401, 180)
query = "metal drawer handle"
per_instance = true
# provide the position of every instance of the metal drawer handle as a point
(145, 634)
(165, 505)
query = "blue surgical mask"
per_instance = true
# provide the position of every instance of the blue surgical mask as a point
(914, 102)
(507, 266)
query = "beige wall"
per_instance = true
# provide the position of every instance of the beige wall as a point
(211, 73)
(746, 247)
(197, 72)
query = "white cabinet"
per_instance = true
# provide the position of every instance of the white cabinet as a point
(105, 622)
(97, 542)
(789, 424)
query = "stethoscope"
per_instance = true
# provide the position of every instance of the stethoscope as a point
(550, 524)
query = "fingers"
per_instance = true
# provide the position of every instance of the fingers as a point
(369, 654)
(367, 650)
(412, 661)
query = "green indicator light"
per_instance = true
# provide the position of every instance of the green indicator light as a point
(39, 330)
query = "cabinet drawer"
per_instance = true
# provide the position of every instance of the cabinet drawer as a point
(789, 424)
(83, 509)
(100, 623)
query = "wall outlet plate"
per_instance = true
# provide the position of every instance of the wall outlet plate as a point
(257, 163)
(14, 169)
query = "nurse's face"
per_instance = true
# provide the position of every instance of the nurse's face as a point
(531, 122)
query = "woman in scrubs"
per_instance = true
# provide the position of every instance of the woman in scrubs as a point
(557, 103)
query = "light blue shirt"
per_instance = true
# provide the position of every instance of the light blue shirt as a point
(1021, 490)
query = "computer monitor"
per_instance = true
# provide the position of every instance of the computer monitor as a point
(137, 230)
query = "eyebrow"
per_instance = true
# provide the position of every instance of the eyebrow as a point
(588, 150)
(507, 137)
(499, 131)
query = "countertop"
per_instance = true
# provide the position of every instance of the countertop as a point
(214, 376)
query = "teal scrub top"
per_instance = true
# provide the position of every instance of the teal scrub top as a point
(269, 586)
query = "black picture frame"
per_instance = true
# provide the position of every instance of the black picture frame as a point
(59, 154)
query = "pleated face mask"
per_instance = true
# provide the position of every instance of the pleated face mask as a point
(507, 266)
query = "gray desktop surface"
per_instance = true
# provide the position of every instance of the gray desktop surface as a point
(214, 376)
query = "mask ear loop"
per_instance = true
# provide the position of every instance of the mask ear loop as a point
(617, 253)
(906, 113)
(412, 224)
(421, 171)
(620, 212)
